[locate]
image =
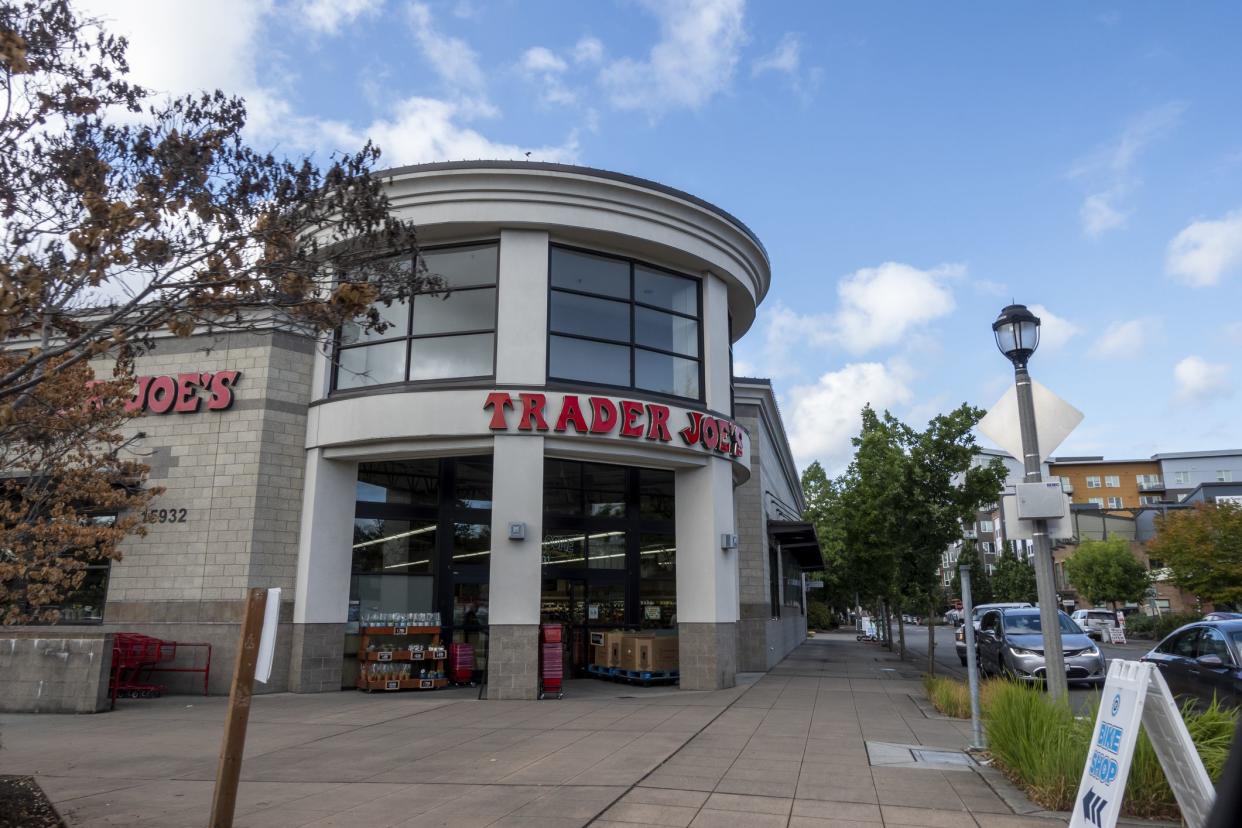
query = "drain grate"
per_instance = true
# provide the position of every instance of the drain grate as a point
(917, 757)
(942, 757)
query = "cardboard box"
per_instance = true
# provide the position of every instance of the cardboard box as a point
(599, 655)
(658, 654)
(613, 640)
(630, 652)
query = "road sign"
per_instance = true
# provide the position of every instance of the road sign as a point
(1054, 420)
(1135, 694)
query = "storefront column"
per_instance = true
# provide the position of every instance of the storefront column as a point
(707, 577)
(324, 559)
(513, 597)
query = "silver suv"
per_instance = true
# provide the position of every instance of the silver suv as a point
(1095, 622)
(959, 638)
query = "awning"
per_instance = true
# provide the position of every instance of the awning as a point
(798, 538)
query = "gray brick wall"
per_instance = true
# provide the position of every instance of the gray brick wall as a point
(316, 658)
(237, 473)
(708, 655)
(513, 661)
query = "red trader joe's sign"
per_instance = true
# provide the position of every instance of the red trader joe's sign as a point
(184, 393)
(604, 416)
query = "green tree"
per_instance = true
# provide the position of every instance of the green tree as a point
(1202, 547)
(944, 486)
(127, 217)
(980, 583)
(1107, 571)
(1014, 580)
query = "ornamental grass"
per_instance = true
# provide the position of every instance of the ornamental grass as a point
(1042, 746)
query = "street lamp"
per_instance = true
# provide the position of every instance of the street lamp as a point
(1017, 337)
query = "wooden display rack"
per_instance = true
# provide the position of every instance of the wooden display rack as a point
(433, 652)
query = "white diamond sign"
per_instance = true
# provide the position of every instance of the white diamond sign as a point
(1054, 420)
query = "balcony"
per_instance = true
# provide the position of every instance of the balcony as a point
(1151, 486)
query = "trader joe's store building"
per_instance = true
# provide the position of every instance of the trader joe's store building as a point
(560, 439)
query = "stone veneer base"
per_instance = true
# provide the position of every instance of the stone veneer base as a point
(318, 650)
(708, 655)
(513, 661)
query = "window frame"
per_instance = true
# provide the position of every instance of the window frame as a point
(409, 336)
(1119, 502)
(1224, 475)
(632, 345)
(633, 523)
(1112, 481)
(1098, 484)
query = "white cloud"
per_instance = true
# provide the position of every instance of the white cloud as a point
(540, 59)
(1198, 380)
(693, 60)
(451, 57)
(588, 50)
(1111, 168)
(1205, 251)
(880, 304)
(1054, 331)
(544, 67)
(177, 48)
(421, 130)
(1098, 215)
(786, 57)
(186, 47)
(328, 16)
(1124, 340)
(823, 416)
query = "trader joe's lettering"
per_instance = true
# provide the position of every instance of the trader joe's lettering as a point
(184, 393)
(601, 415)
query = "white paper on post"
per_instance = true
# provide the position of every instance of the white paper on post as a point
(1135, 694)
(267, 640)
(1054, 420)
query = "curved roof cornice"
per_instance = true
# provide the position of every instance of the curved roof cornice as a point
(570, 198)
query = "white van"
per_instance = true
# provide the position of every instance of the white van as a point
(1095, 622)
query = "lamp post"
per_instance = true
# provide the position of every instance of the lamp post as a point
(1017, 336)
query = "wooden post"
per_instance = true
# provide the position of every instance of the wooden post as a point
(228, 774)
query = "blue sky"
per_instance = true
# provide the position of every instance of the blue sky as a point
(910, 168)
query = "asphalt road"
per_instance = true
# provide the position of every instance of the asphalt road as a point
(947, 662)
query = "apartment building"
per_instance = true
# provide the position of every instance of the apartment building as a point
(1110, 484)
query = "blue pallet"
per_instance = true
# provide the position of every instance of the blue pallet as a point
(633, 675)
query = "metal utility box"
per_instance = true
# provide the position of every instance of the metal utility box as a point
(1040, 500)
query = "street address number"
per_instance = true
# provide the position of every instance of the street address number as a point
(165, 516)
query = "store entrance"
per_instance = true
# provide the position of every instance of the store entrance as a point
(584, 602)
(564, 602)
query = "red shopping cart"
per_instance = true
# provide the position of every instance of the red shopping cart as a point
(551, 660)
(134, 656)
(461, 664)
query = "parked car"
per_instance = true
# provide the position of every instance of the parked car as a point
(911, 619)
(1202, 661)
(959, 638)
(1095, 621)
(1011, 643)
(1223, 616)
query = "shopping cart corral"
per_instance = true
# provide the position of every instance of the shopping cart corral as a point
(136, 657)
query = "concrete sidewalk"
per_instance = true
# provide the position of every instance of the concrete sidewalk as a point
(785, 748)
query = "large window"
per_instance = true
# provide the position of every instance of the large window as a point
(422, 540)
(609, 542)
(616, 322)
(433, 336)
(85, 603)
